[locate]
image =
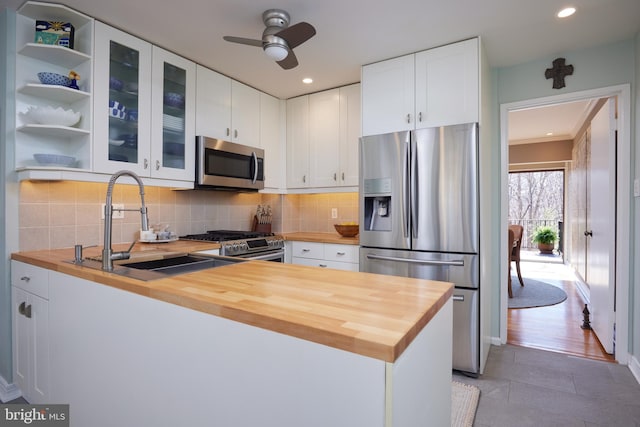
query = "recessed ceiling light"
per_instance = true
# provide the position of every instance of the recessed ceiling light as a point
(567, 11)
(549, 133)
(307, 80)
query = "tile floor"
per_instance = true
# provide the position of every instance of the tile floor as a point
(527, 387)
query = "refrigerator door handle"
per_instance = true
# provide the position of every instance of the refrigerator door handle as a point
(454, 263)
(406, 188)
(414, 186)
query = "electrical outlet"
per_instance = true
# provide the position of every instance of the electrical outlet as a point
(117, 214)
(334, 213)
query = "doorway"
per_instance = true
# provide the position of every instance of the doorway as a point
(621, 263)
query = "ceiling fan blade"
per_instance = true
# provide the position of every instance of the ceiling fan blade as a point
(289, 62)
(297, 34)
(242, 40)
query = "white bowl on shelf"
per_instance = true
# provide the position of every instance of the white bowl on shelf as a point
(54, 160)
(49, 115)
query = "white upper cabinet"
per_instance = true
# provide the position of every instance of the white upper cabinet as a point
(245, 114)
(436, 87)
(324, 138)
(213, 104)
(144, 108)
(447, 85)
(323, 131)
(227, 109)
(349, 134)
(388, 93)
(298, 142)
(122, 102)
(173, 103)
(271, 140)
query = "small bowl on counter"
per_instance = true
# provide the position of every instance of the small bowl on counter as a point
(347, 230)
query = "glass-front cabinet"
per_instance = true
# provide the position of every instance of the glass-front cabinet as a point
(143, 109)
(173, 116)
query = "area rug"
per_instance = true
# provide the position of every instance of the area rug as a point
(534, 294)
(464, 402)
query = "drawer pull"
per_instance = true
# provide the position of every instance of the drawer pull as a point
(341, 253)
(25, 278)
(21, 307)
(27, 311)
(322, 265)
(305, 250)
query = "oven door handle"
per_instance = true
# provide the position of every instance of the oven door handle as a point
(255, 167)
(455, 263)
(271, 255)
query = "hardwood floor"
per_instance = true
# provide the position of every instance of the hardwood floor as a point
(557, 327)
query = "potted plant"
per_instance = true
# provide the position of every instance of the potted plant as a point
(545, 237)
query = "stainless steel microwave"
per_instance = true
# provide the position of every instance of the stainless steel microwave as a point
(224, 165)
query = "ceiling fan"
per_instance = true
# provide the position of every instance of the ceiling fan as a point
(278, 38)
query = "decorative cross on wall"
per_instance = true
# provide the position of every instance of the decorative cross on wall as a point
(558, 72)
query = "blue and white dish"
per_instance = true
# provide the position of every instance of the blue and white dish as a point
(47, 78)
(173, 99)
(115, 84)
(117, 110)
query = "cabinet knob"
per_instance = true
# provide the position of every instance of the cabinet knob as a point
(145, 163)
(343, 176)
(157, 165)
(25, 309)
(235, 133)
(335, 176)
(25, 278)
(304, 178)
(420, 116)
(408, 118)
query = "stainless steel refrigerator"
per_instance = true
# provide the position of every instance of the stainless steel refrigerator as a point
(419, 218)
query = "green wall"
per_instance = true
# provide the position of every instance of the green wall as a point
(594, 68)
(7, 119)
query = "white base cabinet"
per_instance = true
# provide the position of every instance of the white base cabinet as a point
(30, 305)
(325, 255)
(183, 367)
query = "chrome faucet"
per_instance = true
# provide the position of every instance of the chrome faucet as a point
(108, 256)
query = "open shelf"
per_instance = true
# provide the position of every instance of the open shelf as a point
(54, 93)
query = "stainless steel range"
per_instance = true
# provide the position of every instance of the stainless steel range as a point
(253, 245)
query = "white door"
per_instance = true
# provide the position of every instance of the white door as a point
(601, 224)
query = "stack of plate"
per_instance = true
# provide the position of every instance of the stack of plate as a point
(172, 122)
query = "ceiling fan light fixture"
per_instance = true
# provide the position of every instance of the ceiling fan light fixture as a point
(276, 52)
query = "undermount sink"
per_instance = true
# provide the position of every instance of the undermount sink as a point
(166, 267)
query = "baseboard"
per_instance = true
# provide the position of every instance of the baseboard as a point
(496, 341)
(634, 366)
(8, 392)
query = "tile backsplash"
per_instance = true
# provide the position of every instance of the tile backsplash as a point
(59, 214)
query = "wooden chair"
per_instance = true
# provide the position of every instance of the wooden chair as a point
(515, 249)
(510, 241)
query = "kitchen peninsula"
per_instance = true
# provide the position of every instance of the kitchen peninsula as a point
(254, 343)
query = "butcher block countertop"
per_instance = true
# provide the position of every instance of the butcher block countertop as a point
(321, 238)
(368, 314)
